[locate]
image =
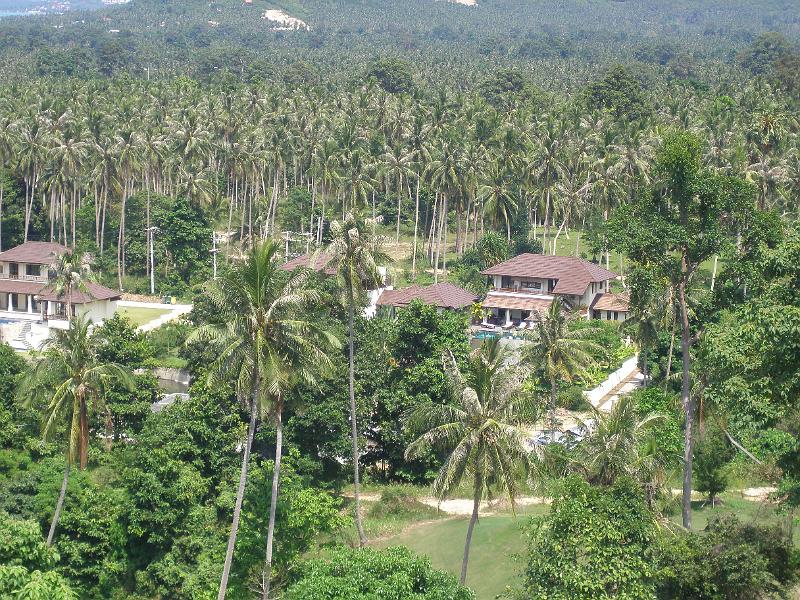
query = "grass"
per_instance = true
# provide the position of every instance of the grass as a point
(141, 315)
(497, 542)
(499, 539)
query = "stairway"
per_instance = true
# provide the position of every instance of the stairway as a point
(22, 338)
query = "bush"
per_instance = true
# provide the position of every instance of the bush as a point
(595, 543)
(729, 561)
(711, 458)
(398, 502)
(393, 574)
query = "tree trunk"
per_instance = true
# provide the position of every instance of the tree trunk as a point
(644, 366)
(688, 404)
(416, 227)
(473, 519)
(60, 503)
(553, 399)
(83, 442)
(237, 510)
(276, 477)
(362, 538)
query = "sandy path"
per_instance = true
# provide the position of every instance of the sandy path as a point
(463, 506)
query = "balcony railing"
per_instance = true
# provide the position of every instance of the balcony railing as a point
(23, 277)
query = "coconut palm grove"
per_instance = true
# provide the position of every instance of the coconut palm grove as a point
(425, 299)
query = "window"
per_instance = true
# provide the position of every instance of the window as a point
(531, 285)
(34, 270)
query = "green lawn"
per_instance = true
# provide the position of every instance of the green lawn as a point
(499, 540)
(141, 315)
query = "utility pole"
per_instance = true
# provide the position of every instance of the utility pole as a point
(151, 234)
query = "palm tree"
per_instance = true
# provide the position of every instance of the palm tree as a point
(481, 429)
(498, 202)
(71, 271)
(71, 377)
(562, 352)
(267, 342)
(356, 256)
(621, 442)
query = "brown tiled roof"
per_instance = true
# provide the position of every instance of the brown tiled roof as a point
(614, 302)
(94, 291)
(517, 301)
(573, 274)
(16, 286)
(39, 253)
(305, 261)
(442, 295)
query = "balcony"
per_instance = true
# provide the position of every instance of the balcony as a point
(23, 277)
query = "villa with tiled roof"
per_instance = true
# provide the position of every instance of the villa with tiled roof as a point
(444, 296)
(524, 287)
(27, 293)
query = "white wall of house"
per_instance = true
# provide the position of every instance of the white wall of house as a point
(97, 311)
(609, 315)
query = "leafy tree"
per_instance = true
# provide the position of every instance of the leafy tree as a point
(764, 52)
(595, 543)
(17, 582)
(11, 367)
(620, 92)
(117, 340)
(684, 221)
(392, 74)
(304, 515)
(73, 379)
(728, 561)
(187, 239)
(481, 429)
(394, 574)
(711, 458)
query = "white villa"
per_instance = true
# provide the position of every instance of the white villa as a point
(525, 286)
(29, 307)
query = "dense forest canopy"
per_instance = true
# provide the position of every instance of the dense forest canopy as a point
(560, 44)
(189, 149)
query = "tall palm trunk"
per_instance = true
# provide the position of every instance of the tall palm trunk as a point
(362, 538)
(276, 478)
(83, 442)
(59, 503)
(476, 503)
(237, 510)
(416, 227)
(688, 407)
(552, 408)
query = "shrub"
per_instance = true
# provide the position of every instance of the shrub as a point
(595, 543)
(399, 502)
(729, 561)
(393, 574)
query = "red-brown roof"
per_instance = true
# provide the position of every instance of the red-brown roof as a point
(442, 295)
(517, 301)
(16, 286)
(38, 253)
(319, 263)
(573, 274)
(94, 291)
(613, 302)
